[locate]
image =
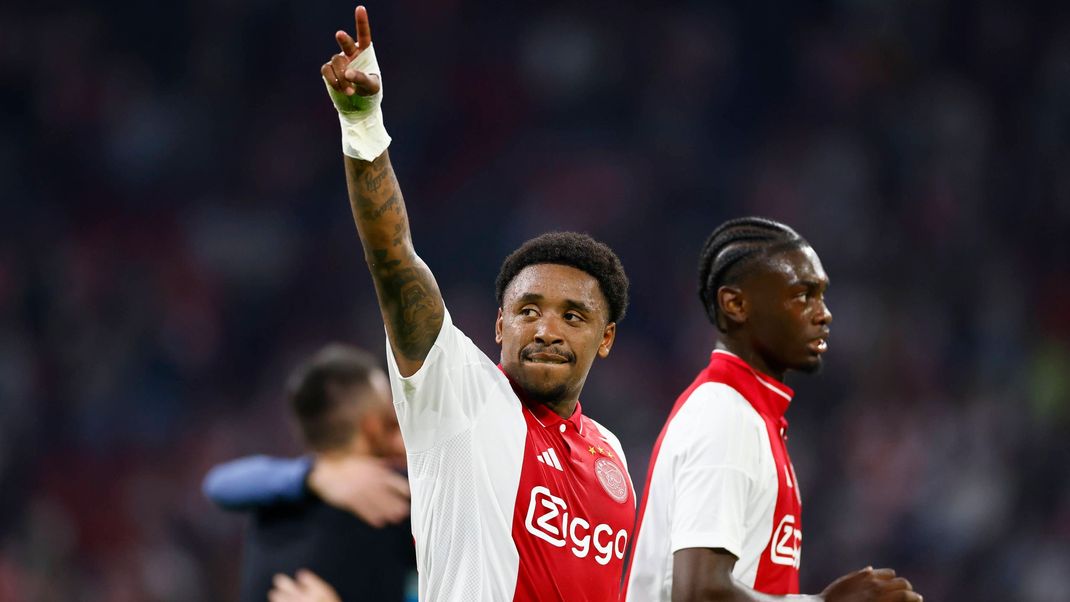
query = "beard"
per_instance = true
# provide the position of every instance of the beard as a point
(545, 394)
(536, 388)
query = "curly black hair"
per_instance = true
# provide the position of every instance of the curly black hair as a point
(732, 250)
(575, 250)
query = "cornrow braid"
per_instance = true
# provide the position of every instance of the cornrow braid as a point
(733, 248)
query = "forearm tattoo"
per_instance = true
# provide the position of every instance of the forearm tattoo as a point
(408, 295)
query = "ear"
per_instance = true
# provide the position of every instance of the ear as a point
(498, 326)
(609, 334)
(366, 432)
(733, 304)
(370, 425)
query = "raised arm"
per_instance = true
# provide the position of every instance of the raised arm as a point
(408, 294)
(703, 574)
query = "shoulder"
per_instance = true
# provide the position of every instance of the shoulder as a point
(715, 404)
(715, 421)
(610, 438)
(604, 432)
(453, 363)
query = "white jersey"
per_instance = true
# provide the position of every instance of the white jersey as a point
(509, 500)
(721, 477)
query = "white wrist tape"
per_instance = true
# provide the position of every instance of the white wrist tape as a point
(364, 136)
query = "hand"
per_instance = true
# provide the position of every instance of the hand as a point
(870, 585)
(364, 486)
(339, 72)
(307, 588)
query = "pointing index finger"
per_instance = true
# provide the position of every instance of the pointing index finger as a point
(364, 29)
(346, 44)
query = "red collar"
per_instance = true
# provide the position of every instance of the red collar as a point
(544, 415)
(768, 395)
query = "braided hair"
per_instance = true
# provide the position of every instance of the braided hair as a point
(735, 247)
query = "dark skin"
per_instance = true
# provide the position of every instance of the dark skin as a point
(408, 295)
(554, 318)
(552, 324)
(775, 318)
(705, 574)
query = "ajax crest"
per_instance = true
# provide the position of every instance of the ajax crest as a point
(612, 479)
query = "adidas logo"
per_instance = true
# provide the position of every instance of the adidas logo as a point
(549, 457)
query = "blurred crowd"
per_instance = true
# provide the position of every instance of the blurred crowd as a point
(174, 234)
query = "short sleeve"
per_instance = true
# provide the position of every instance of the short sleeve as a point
(716, 462)
(447, 394)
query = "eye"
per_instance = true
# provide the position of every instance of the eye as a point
(573, 317)
(529, 312)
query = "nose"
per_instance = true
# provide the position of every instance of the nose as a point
(547, 331)
(823, 315)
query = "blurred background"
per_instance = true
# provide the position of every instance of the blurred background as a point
(174, 234)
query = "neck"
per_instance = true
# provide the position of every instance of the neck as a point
(748, 354)
(357, 447)
(564, 408)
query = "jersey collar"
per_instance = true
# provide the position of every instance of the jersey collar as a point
(772, 398)
(544, 415)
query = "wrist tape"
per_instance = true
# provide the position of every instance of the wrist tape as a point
(364, 135)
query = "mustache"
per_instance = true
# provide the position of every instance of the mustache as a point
(531, 350)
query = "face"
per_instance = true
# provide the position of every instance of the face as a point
(379, 424)
(552, 323)
(787, 321)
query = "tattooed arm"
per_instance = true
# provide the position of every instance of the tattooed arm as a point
(408, 295)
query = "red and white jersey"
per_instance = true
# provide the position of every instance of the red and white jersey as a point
(720, 477)
(509, 500)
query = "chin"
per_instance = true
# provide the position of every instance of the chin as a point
(811, 366)
(540, 388)
(545, 392)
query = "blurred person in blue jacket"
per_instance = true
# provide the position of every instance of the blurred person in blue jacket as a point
(339, 515)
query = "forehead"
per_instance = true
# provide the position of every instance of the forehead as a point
(793, 266)
(555, 283)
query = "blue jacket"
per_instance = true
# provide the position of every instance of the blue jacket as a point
(254, 481)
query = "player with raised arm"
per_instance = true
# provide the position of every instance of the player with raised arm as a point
(720, 518)
(516, 494)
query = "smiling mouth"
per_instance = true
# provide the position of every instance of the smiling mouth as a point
(819, 345)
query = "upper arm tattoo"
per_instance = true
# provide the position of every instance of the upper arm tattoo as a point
(408, 294)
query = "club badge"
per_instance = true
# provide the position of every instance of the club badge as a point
(612, 479)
